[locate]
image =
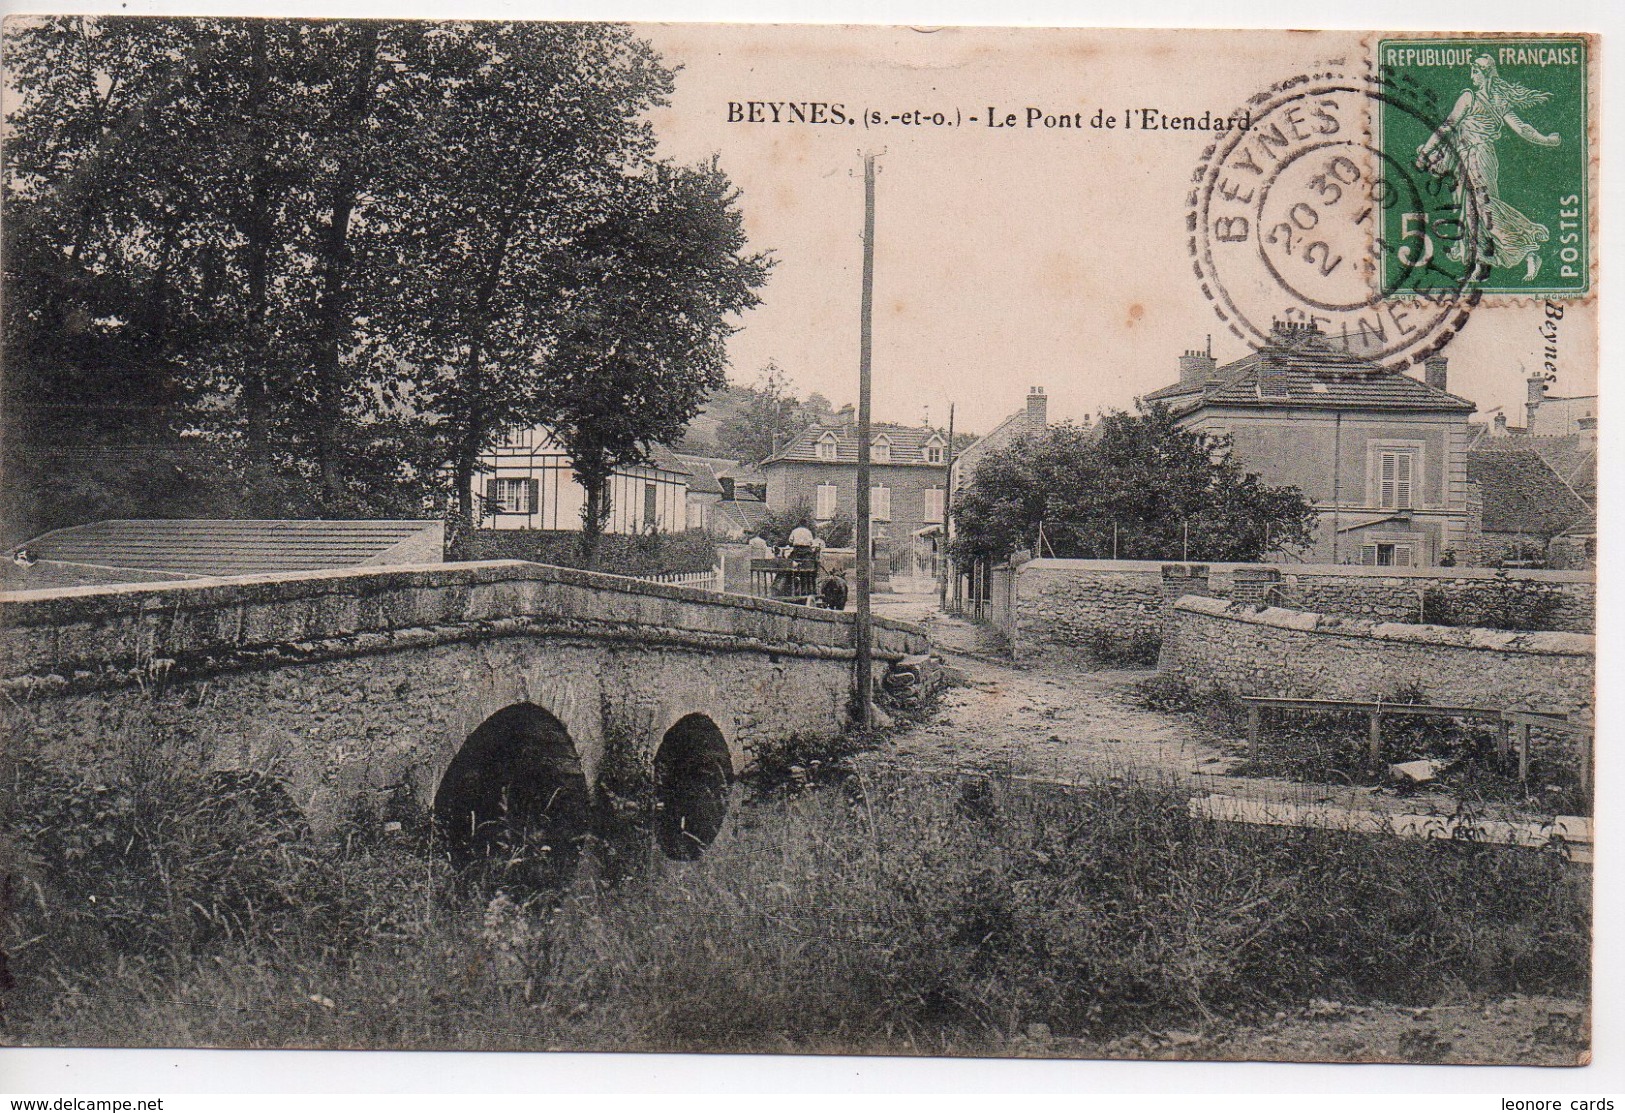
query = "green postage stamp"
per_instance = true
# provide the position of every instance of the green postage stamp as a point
(1484, 141)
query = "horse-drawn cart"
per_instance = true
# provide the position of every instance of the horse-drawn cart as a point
(798, 577)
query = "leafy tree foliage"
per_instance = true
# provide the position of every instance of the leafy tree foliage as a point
(170, 185)
(527, 133)
(772, 417)
(1135, 487)
(293, 267)
(656, 281)
(837, 533)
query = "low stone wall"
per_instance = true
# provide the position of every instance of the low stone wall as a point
(1244, 650)
(1395, 594)
(45, 575)
(1050, 608)
(88, 635)
(1060, 608)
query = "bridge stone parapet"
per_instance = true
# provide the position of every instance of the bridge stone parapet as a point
(102, 636)
(353, 686)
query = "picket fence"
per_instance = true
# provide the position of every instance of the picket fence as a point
(708, 581)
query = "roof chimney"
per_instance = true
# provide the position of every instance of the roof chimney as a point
(1537, 394)
(1197, 367)
(1435, 367)
(1037, 408)
(846, 415)
(1500, 425)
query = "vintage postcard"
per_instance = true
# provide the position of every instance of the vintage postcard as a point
(1058, 543)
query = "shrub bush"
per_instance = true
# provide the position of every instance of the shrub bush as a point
(1499, 604)
(649, 554)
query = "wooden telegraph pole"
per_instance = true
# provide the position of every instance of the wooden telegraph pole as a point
(947, 499)
(863, 666)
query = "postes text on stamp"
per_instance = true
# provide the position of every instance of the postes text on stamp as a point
(1501, 135)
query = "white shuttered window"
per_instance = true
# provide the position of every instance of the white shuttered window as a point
(825, 509)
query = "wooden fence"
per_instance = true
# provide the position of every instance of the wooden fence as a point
(706, 581)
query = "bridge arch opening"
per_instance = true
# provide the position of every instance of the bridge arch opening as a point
(693, 779)
(515, 792)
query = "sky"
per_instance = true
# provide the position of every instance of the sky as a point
(1013, 257)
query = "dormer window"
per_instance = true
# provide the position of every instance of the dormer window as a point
(826, 447)
(933, 450)
(882, 449)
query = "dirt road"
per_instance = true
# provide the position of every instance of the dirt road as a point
(1073, 725)
(1064, 723)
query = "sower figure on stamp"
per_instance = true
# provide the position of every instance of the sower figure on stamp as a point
(1464, 145)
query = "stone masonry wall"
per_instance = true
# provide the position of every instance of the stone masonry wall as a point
(90, 635)
(1394, 594)
(351, 686)
(1065, 607)
(1276, 652)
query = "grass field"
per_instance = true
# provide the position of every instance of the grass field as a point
(896, 914)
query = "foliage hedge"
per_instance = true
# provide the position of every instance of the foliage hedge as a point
(650, 554)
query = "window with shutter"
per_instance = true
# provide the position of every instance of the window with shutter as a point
(880, 503)
(512, 496)
(1396, 471)
(825, 510)
(1389, 554)
(933, 504)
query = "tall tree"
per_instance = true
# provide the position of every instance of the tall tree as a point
(348, 138)
(658, 280)
(317, 263)
(1133, 487)
(771, 417)
(100, 265)
(525, 131)
(171, 182)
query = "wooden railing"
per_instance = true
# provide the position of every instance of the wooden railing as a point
(1513, 725)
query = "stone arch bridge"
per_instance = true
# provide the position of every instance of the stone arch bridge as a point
(472, 689)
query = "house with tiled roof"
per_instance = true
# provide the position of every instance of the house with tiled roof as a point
(908, 484)
(715, 484)
(1547, 415)
(529, 484)
(1381, 455)
(739, 519)
(1030, 420)
(1534, 498)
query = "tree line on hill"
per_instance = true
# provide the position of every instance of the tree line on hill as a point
(315, 268)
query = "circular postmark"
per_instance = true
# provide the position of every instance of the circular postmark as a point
(1300, 218)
